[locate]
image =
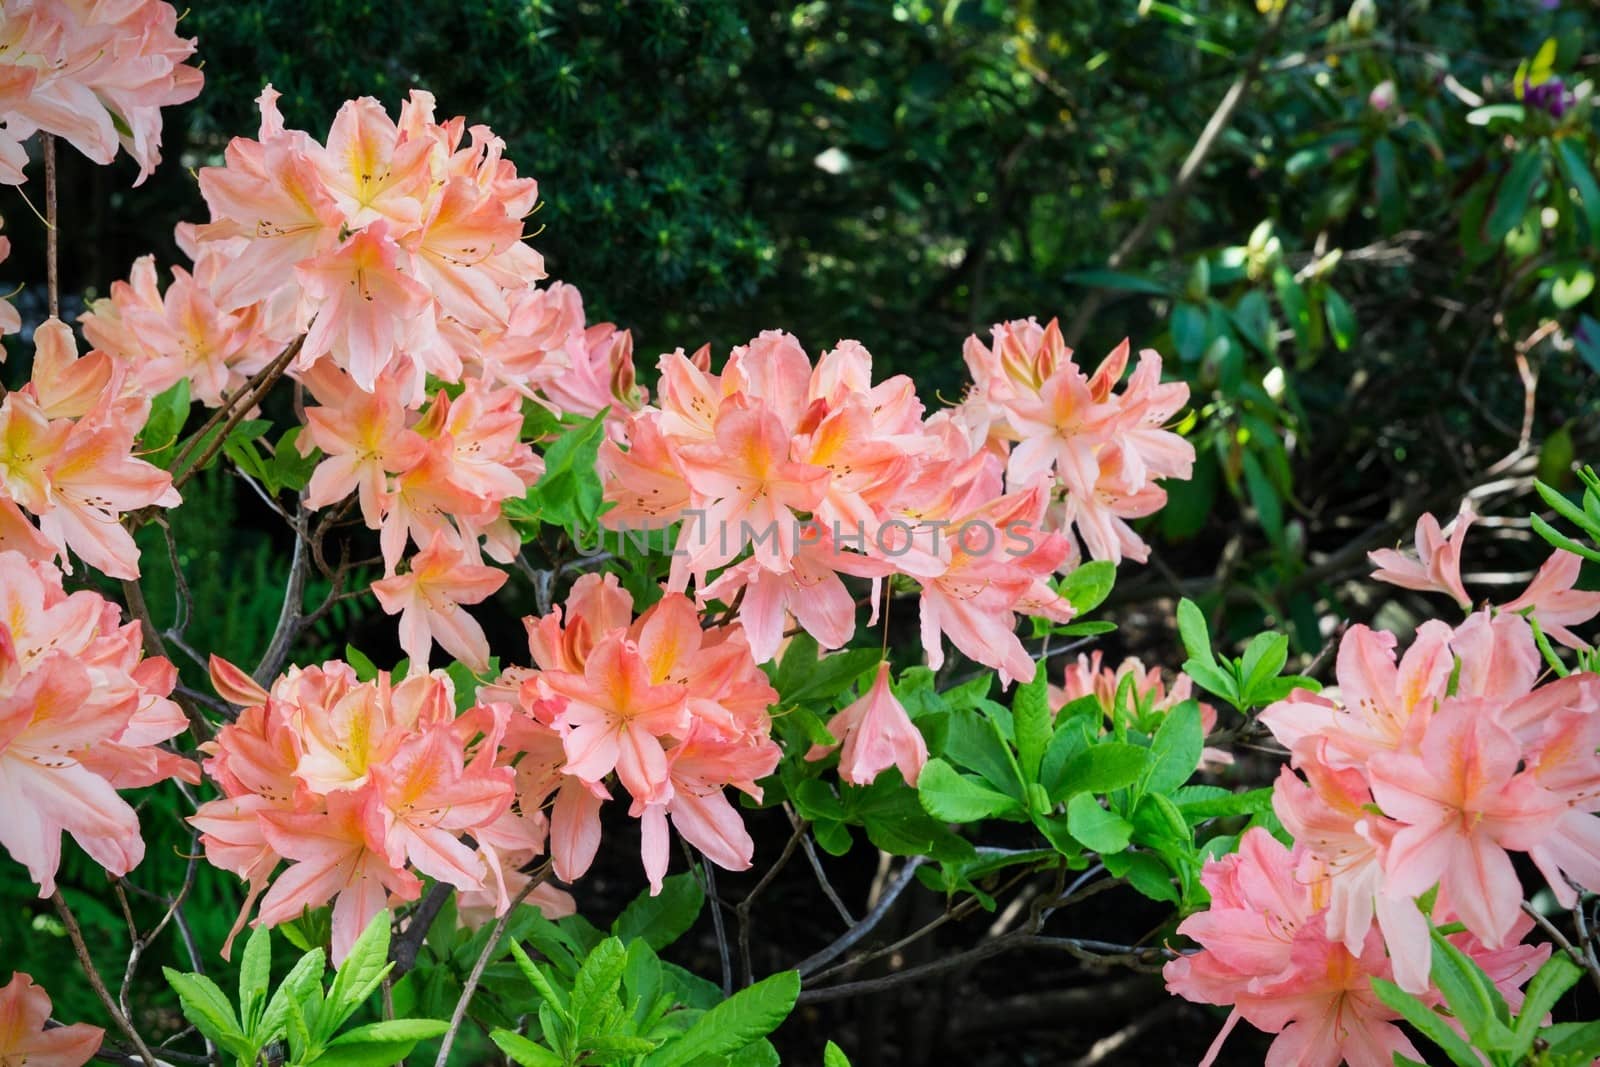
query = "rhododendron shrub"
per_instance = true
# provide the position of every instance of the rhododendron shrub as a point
(776, 587)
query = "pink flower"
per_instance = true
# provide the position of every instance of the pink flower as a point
(876, 734)
(1554, 604)
(81, 715)
(26, 1039)
(1461, 803)
(1265, 951)
(1437, 567)
(428, 599)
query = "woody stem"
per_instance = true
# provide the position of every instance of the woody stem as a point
(52, 240)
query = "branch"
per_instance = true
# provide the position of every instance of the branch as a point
(76, 934)
(403, 951)
(1098, 952)
(868, 923)
(231, 414)
(289, 616)
(470, 986)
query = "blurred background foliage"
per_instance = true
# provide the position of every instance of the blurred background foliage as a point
(1366, 233)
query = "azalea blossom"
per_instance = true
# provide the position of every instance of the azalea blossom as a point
(428, 598)
(26, 1037)
(96, 75)
(875, 734)
(359, 786)
(82, 715)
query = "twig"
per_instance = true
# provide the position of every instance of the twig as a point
(1577, 955)
(718, 926)
(822, 876)
(76, 934)
(231, 414)
(742, 910)
(289, 616)
(1100, 952)
(470, 986)
(52, 233)
(868, 923)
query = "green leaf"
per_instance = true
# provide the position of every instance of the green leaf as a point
(1100, 830)
(1482, 116)
(524, 1052)
(1472, 997)
(1341, 320)
(1199, 802)
(1572, 287)
(833, 1056)
(168, 412)
(661, 919)
(596, 984)
(1567, 509)
(1214, 679)
(206, 1006)
(360, 974)
(1111, 279)
(1031, 719)
(1105, 766)
(291, 470)
(1192, 628)
(1263, 658)
(1511, 199)
(569, 492)
(954, 797)
(255, 978)
(1145, 873)
(1175, 749)
(1264, 495)
(1575, 168)
(1558, 975)
(1561, 540)
(804, 677)
(1087, 587)
(541, 983)
(380, 1044)
(1573, 1044)
(1428, 1022)
(747, 1016)
(301, 984)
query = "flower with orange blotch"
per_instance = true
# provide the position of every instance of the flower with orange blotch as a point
(677, 711)
(26, 1036)
(1461, 803)
(875, 733)
(360, 785)
(1265, 952)
(81, 715)
(428, 599)
(93, 74)
(1437, 566)
(161, 339)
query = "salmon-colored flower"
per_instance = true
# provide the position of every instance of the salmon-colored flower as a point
(1437, 566)
(875, 734)
(26, 1037)
(428, 599)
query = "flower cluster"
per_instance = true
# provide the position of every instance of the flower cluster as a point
(437, 477)
(395, 247)
(82, 714)
(1431, 771)
(66, 444)
(1105, 449)
(95, 74)
(1267, 952)
(161, 339)
(1412, 785)
(358, 786)
(819, 473)
(678, 712)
